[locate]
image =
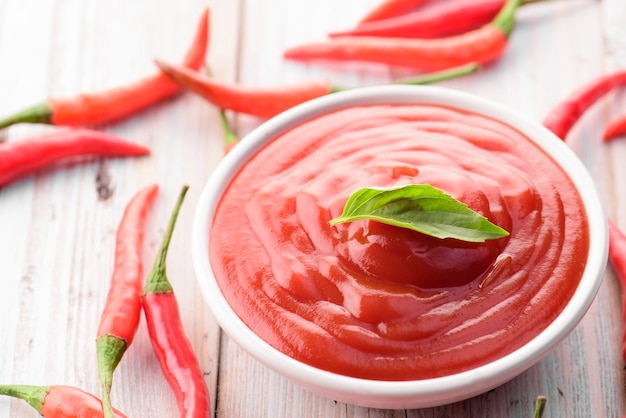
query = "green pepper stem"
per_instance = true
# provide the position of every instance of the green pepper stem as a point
(34, 395)
(229, 135)
(442, 75)
(157, 280)
(429, 78)
(540, 405)
(110, 350)
(41, 113)
(505, 19)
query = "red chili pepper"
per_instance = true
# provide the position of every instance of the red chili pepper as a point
(560, 120)
(171, 346)
(479, 46)
(617, 258)
(21, 157)
(58, 401)
(391, 8)
(260, 102)
(441, 19)
(117, 103)
(268, 102)
(615, 128)
(565, 115)
(122, 310)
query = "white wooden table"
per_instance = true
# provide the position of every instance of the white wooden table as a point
(57, 236)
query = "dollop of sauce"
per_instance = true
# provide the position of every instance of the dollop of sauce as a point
(375, 301)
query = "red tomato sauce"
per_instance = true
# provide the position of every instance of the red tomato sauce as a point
(380, 302)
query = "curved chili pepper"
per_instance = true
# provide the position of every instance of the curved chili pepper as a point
(479, 46)
(617, 258)
(615, 129)
(171, 346)
(564, 116)
(268, 102)
(24, 156)
(560, 120)
(439, 20)
(58, 401)
(391, 8)
(122, 310)
(117, 103)
(260, 102)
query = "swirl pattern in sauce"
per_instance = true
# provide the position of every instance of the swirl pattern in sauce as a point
(375, 301)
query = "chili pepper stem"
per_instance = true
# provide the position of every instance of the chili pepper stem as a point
(110, 350)
(428, 78)
(230, 138)
(540, 404)
(40, 113)
(442, 75)
(157, 280)
(33, 395)
(505, 19)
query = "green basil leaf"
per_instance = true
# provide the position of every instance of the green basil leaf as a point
(422, 208)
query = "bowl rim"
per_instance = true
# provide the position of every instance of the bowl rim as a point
(458, 386)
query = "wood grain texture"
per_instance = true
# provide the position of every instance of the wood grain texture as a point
(57, 235)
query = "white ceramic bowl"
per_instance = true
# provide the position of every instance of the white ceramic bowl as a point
(401, 394)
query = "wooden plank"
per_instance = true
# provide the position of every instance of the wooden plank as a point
(58, 236)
